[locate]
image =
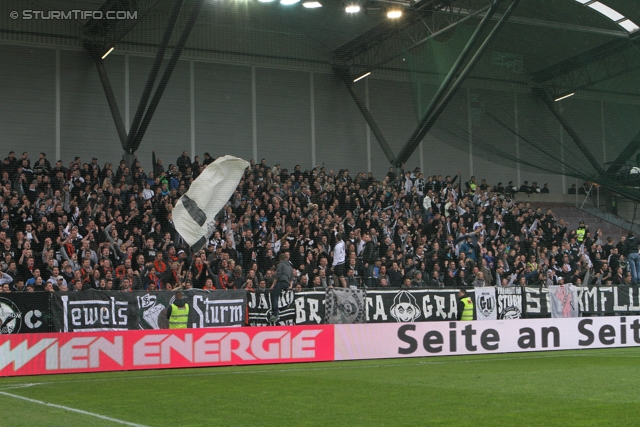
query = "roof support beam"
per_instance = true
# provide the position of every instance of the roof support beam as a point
(388, 40)
(450, 85)
(390, 57)
(177, 51)
(114, 37)
(153, 74)
(111, 99)
(590, 68)
(624, 155)
(345, 76)
(131, 141)
(92, 24)
(106, 33)
(572, 133)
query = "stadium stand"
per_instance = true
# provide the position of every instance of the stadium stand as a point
(110, 227)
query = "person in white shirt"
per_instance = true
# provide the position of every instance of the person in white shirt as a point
(339, 255)
(426, 202)
(147, 193)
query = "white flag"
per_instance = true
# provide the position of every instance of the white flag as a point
(345, 306)
(486, 303)
(564, 301)
(194, 214)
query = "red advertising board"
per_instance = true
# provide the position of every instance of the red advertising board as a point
(57, 353)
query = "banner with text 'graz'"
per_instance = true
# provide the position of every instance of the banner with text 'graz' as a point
(414, 305)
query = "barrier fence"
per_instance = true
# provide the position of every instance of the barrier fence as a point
(108, 311)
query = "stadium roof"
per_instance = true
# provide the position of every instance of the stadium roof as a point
(560, 45)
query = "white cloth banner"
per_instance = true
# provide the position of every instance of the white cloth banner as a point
(486, 303)
(509, 301)
(194, 214)
(344, 306)
(564, 301)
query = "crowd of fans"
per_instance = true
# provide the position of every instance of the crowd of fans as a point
(110, 227)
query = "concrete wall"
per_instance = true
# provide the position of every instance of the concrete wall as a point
(53, 101)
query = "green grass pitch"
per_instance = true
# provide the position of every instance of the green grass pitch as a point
(563, 388)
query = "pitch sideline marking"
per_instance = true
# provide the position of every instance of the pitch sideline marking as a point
(67, 408)
(326, 368)
(14, 386)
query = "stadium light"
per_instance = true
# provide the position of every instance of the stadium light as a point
(312, 4)
(352, 8)
(565, 96)
(394, 14)
(362, 76)
(108, 52)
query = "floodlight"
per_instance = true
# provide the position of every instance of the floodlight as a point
(362, 76)
(565, 96)
(352, 8)
(108, 52)
(394, 14)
